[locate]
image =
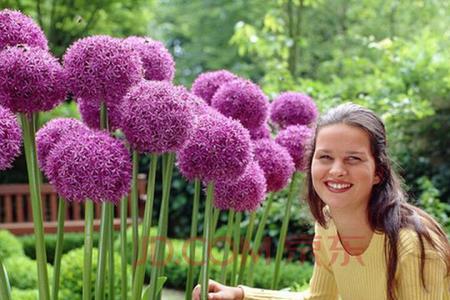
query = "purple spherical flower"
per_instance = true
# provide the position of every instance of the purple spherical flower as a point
(206, 84)
(157, 61)
(90, 165)
(90, 113)
(262, 132)
(245, 193)
(292, 108)
(242, 100)
(31, 80)
(155, 117)
(10, 138)
(217, 149)
(275, 161)
(295, 139)
(16, 29)
(53, 132)
(101, 68)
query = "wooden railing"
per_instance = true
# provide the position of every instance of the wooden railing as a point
(16, 214)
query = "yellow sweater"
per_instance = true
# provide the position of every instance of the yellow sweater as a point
(338, 275)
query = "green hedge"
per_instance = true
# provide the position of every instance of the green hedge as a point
(17, 294)
(22, 272)
(9, 245)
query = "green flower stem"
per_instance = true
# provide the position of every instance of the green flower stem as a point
(236, 241)
(226, 247)
(216, 215)
(193, 237)
(59, 247)
(258, 238)
(134, 210)
(168, 161)
(207, 237)
(5, 288)
(283, 232)
(123, 246)
(102, 252)
(245, 250)
(111, 251)
(88, 245)
(138, 280)
(36, 204)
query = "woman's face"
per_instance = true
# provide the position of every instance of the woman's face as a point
(343, 167)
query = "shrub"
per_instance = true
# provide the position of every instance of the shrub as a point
(129, 246)
(22, 272)
(72, 274)
(9, 245)
(17, 294)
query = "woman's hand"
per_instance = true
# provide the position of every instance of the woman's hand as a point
(217, 291)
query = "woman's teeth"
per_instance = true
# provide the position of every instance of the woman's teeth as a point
(338, 186)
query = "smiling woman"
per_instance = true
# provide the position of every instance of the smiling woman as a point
(365, 229)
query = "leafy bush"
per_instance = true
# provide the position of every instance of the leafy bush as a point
(18, 294)
(9, 245)
(72, 275)
(22, 272)
(130, 241)
(71, 241)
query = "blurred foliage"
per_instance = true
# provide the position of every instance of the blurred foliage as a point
(9, 245)
(18, 294)
(22, 272)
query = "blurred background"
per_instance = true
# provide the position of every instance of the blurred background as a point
(389, 55)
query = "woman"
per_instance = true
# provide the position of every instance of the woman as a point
(369, 242)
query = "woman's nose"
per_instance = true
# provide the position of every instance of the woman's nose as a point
(338, 169)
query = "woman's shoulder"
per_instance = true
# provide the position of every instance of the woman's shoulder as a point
(409, 243)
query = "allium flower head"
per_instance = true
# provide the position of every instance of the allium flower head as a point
(90, 166)
(31, 80)
(242, 100)
(295, 139)
(155, 117)
(206, 84)
(90, 113)
(16, 29)
(292, 108)
(52, 133)
(217, 149)
(246, 193)
(262, 132)
(10, 138)
(275, 161)
(101, 68)
(157, 61)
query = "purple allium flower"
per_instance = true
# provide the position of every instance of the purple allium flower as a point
(245, 193)
(217, 149)
(206, 84)
(90, 113)
(16, 28)
(295, 138)
(90, 165)
(275, 161)
(292, 108)
(31, 80)
(155, 117)
(242, 100)
(157, 61)
(101, 68)
(51, 133)
(10, 138)
(262, 132)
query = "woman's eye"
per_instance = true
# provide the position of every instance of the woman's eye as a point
(325, 157)
(354, 158)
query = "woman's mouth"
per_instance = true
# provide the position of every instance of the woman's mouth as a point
(338, 187)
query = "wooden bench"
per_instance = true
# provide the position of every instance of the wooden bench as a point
(16, 214)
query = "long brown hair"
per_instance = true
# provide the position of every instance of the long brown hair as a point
(388, 210)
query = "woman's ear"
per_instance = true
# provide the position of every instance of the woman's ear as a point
(376, 179)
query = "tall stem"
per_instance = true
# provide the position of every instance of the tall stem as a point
(36, 204)
(111, 251)
(247, 241)
(102, 252)
(226, 249)
(134, 210)
(59, 247)
(283, 233)
(193, 237)
(207, 237)
(163, 223)
(123, 246)
(258, 237)
(236, 242)
(147, 222)
(5, 289)
(88, 245)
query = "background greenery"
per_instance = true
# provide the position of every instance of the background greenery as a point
(390, 55)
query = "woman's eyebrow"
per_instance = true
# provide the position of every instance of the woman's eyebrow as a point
(355, 153)
(323, 151)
